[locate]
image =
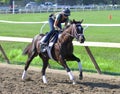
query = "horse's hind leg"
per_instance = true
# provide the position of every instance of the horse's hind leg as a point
(45, 64)
(30, 58)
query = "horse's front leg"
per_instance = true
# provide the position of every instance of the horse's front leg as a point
(63, 63)
(74, 58)
(80, 69)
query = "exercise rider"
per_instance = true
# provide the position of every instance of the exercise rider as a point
(55, 21)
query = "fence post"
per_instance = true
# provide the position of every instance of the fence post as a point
(4, 54)
(93, 59)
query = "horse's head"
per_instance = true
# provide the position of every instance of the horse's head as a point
(77, 30)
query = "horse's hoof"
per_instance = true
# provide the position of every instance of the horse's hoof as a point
(80, 76)
(74, 82)
(23, 78)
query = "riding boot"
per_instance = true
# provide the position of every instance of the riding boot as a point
(44, 41)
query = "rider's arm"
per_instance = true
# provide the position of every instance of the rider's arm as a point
(58, 18)
(55, 25)
(66, 22)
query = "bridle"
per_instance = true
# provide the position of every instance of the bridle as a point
(74, 33)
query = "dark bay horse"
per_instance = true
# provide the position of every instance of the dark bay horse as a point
(62, 50)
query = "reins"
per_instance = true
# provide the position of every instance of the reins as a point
(74, 32)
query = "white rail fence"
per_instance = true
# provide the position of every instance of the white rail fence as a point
(94, 44)
(86, 44)
(97, 44)
(46, 22)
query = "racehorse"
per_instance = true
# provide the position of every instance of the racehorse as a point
(61, 51)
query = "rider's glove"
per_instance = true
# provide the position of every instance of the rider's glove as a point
(57, 28)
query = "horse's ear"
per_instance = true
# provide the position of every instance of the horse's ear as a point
(70, 21)
(74, 21)
(81, 21)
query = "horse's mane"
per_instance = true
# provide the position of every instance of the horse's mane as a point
(71, 22)
(67, 26)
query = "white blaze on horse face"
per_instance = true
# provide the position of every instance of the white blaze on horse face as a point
(44, 79)
(24, 75)
(80, 66)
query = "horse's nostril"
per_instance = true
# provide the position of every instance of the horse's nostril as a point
(82, 42)
(81, 39)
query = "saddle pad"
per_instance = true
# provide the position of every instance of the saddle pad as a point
(49, 48)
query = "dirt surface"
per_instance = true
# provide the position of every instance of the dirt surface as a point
(58, 82)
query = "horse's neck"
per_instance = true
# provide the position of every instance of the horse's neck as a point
(66, 36)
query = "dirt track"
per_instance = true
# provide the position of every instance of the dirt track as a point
(58, 82)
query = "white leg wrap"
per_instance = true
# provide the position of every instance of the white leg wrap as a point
(44, 79)
(80, 66)
(24, 75)
(71, 76)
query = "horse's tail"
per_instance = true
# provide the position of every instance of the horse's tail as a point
(31, 48)
(27, 49)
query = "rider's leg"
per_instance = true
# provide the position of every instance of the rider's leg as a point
(44, 41)
(51, 24)
(47, 37)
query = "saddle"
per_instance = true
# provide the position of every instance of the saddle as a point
(48, 47)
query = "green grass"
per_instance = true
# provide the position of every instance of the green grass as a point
(107, 58)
